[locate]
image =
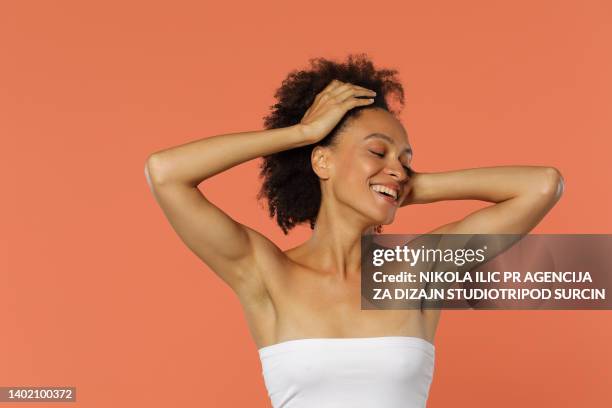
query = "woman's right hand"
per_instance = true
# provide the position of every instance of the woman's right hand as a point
(329, 107)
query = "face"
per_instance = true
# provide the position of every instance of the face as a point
(368, 168)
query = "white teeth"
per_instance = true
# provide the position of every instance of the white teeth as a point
(383, 189)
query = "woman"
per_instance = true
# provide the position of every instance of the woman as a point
(337, 157)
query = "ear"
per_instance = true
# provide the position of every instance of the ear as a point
(320, 161)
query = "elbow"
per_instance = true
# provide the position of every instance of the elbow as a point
(552, 185)
(153, 170)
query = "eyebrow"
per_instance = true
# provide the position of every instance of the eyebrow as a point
(388, 139)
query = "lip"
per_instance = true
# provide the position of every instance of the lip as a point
(388, 199)
(391, 185)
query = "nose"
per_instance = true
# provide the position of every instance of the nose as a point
(397, 171)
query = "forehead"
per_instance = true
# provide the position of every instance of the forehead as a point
(377, 121)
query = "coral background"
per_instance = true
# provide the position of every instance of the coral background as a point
(98, 292)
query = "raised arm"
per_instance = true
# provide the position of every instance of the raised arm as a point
(522, 195)
(226, 246)
(233, 251)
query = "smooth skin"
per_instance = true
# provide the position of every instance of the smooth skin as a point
(313, 290)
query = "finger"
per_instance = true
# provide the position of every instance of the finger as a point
(342, 93)
(330, 94)
(355, 92)
(362, 87)
(352, 102)
(324, 94)
(358, 86)
(340, 89)
(333, 84)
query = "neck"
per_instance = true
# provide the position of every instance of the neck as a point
(336, 241)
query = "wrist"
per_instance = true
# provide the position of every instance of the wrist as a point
(417, 186)
(301, 136)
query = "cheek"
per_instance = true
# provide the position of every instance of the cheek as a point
(355, 174)
(351, 180)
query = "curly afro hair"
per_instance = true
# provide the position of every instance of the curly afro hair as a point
(290, 184)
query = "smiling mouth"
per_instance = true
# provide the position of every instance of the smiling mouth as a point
(385, 195)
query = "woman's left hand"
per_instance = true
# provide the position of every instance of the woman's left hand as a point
(414, 189)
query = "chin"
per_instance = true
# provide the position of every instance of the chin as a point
(382, 216)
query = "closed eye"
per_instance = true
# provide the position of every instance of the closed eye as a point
(407, 168)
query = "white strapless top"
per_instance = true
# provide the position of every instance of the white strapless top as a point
(356, 372)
